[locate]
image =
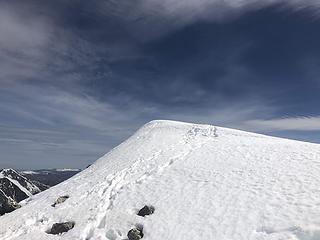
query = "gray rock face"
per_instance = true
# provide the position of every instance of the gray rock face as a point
(60, 200)
(7, 204)
(135, 234)
(59, 228)
(146, 210)
(12, 190)
(23, 181)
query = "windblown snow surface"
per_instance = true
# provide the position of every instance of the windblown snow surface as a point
(205, 182)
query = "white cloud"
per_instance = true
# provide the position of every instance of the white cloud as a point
(52, 127)
(33, 46)
(294, 123)
(53, 107)
(23, 43)
(22, 32)
(154, 17)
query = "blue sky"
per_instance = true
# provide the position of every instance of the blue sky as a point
(79, 77)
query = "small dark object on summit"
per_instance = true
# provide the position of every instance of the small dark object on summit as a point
(59, 228)
(146, 210)
(135, 234)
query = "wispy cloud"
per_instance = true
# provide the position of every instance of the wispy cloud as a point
(23, 43)
(52, 127)
(290, 123)
(35, 46)
(154, 18)
(50, 106)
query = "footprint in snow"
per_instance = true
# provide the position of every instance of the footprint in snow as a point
(113, 234)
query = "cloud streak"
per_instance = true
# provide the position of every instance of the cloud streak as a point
(155, 18)
(23, 42)
(52, 127)
(283, 124)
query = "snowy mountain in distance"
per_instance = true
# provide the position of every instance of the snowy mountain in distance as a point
(204, 182)
(50, 177)
(27, 186)
(14, 187)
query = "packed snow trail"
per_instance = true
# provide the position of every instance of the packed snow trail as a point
(205, 182)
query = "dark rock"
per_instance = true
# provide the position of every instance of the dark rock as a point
(22, 180)
(7, 204)
(14, 188)
(60, 200)
(11, 190)
(59, 228)
(146, 210)
(135, 234)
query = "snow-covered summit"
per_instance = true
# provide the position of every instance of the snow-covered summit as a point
(204, 182)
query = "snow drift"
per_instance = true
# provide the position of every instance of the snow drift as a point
(204, 182)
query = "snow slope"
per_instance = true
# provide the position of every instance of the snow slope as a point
(205, 182)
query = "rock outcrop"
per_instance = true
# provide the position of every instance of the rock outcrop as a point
(59, 228)
(14, 188)
(7, 204)
(146, 210)
(135, 234)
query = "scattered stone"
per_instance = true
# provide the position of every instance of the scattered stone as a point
(60, 200)
(59, 228)
(135, 234)
(146, 210)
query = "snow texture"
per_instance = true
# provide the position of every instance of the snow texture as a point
(205, 182)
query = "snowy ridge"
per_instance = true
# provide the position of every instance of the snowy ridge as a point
(23, 189)
(29, 172)
(68, 169)
(20, 181)
(205, 182)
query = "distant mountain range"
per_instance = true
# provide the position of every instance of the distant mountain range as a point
(16, 186)
(50, 177)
